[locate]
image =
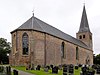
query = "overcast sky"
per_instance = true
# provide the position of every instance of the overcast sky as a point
(62, 14)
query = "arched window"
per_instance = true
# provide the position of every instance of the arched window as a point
(83, 36)
(62, 49)
(80, 37)
(25, 44)
(77, 55)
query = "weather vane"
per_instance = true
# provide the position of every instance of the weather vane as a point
(33, 12)
(84, 2)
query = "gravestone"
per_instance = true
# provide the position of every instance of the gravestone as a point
(38, 67)
(98, 70)
(60, 67)
(51, 66)
(33, 67)
(55, 70)
(65, 69)
(71, 69)
(94, 66)
(84, 70)
(90, 73)
(80, 65)
(48, 67)
(76, 67)
(15, 72)
(8, 70)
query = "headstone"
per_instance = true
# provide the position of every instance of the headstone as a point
(48, 67)
(90, 73)
(32, 68)
(38, 67)
(94, 66)
(15, 72)
(71, 69)
(84, 70)
(55, 70)
(51, 66)
(80, 65)
(76, 67)
(8, 70)
(65, 69)
(60, 67)
(64, 73)
(98, 70)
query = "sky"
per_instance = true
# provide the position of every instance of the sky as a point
(62, 14)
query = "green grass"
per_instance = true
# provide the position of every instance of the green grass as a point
(41, 72)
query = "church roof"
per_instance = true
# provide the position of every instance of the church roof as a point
(84, 26)
(36, 24)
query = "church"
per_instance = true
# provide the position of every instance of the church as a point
(36, 42)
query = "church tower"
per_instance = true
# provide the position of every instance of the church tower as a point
(84, 34)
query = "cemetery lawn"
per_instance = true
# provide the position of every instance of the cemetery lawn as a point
(41, 72)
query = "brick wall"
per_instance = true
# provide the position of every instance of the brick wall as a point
(44, 46)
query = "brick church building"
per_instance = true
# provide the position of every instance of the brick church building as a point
(36, 42)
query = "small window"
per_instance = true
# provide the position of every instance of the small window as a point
(90, 37)
(80, 37)
(77, 55)
(83, 36)
(62, 49)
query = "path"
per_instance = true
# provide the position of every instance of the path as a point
(22, 72)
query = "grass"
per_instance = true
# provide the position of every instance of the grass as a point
(41, 72)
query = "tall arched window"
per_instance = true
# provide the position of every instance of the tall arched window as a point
(25, 44)
(62, 49)
(77, 55)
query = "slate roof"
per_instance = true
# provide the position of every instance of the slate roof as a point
(84, 26)
(36, 24)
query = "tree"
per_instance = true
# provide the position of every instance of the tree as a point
(97, 59)
(5, 48)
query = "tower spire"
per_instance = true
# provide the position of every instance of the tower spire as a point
(84, 26)
(84, 33)
(84, 3)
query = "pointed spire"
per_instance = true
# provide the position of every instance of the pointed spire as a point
(84, 26)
